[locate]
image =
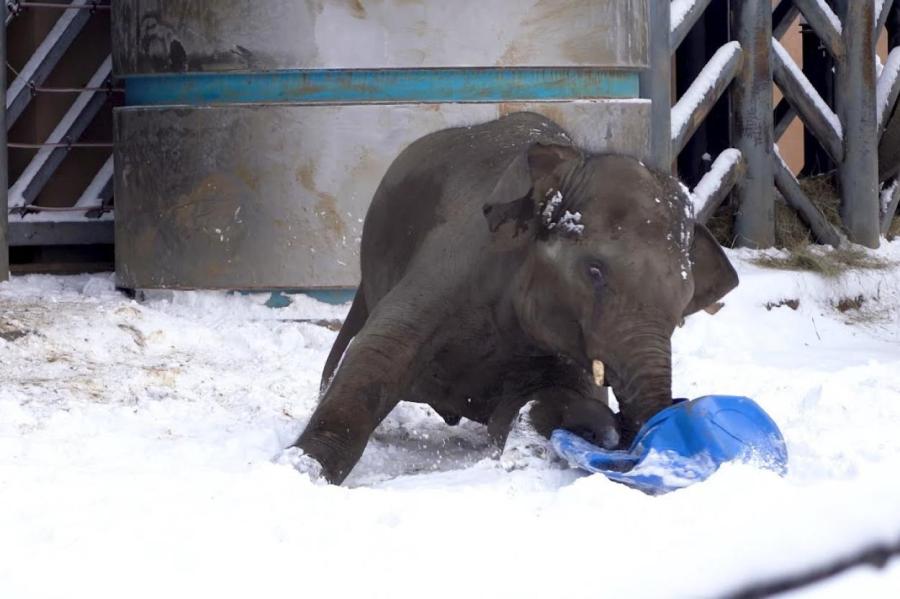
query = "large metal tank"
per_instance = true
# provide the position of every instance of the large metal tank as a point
(255, 133)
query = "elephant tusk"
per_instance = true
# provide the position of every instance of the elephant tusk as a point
(599, 373)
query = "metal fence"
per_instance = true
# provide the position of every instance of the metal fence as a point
(858, 128)
(84, 216)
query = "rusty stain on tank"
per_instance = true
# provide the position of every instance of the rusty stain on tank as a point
(513, 55)
(553, 10)
(357, 9)
(579, 50)
(248, 176)
(326, 206)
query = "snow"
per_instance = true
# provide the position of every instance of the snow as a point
(90, 198)
(137, 439)
(678, 12)
(887, 194)
(831, 16)
(820, 104)
(570, 223)
(712, 180)
(59, 216)
(702, 86)
(886, 82)
(552, 204)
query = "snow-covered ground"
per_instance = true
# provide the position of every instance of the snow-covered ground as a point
(136, 446)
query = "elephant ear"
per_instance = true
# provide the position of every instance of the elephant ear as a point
(713, 274)
(513, 208)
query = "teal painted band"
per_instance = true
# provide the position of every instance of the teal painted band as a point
(282, 298)
(382, 85)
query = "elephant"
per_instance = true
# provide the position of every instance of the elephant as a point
(502, 265)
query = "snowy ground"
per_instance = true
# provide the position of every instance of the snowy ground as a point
(136, 442)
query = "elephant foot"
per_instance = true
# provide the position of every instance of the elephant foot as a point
(297, 459)
(525, 447)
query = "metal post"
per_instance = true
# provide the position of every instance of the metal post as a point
(753, 126)
(4, 164)
(707, 36)
(856, 107)
(656, 85)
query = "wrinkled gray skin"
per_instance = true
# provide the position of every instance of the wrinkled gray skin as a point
(475, 300)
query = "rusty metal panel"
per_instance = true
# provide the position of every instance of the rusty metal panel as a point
(273, 196)
(163, 36)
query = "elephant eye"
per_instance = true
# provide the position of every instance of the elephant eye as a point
(596, 275)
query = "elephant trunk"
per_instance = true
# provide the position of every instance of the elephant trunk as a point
(641, 378)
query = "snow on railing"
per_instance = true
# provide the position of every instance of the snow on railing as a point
(716, 183)
(99, 187)
(679, 10)
(890, 197)
(683, 14)
(888, 87)
(832, 17)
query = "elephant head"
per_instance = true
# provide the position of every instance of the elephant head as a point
(611, 261)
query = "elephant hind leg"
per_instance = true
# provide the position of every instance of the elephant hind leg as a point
(354, 322)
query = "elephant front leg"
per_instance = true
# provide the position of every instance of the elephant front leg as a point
(339, 429)
(584, 412)
(373, 374)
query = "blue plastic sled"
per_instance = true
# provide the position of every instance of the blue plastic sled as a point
(684, 444)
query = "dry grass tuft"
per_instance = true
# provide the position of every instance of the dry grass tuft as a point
(790, 232)
(863, 310)
(850, 303)
(827, 262)
(793, 304)
(894, 230)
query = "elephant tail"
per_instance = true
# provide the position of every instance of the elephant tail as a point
(356, 318)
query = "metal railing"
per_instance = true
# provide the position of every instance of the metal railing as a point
(22, 218)
(854, 132)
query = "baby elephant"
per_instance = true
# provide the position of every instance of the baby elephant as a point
(501, 264)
